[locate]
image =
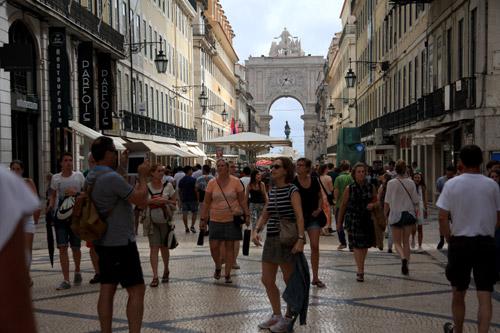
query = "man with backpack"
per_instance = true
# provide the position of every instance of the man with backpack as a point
(119, 260)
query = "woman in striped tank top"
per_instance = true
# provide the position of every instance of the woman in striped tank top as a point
(284, 202)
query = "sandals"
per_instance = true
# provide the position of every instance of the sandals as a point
(360, 277)
(164, 278)
(217, 273)
(228, 279)
(318, 284)
(154, 283)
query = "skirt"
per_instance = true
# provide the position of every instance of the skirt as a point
(275, 253)
(158, 234)
(224, 231)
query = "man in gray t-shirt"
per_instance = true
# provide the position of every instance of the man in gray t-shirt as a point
(119, 260)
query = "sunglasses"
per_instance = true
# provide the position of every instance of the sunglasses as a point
(276, 166)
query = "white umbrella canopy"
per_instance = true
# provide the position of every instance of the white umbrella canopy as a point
(249, 141)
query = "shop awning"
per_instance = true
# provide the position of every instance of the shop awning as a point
(155, 148)
(91, 134)
(195, 149)
(428, 137)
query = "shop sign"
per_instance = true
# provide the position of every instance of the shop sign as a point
(105, 83)
(26, 104)
(58, 77)
(86, 84)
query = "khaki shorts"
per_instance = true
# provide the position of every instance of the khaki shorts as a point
(158, 234)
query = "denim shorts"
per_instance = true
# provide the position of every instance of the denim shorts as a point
(190, 206)
(65, 235)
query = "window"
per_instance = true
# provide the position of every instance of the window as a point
(410, 78)
(152, 102)
(157, 106)
(460, 48)
(147, 99)
(473, 43)
(448, 55)
(126, 93)
(399, 22)
(137, 29)
(150, 45)
(119, 89)
(145, 37)
(124, 18)
(404, 17)
(141, 97)
(415, 81)
(410, 14)
(162, 110)
(404, 86)
(422, 73)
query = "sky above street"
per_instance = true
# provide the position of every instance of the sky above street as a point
(257, 22)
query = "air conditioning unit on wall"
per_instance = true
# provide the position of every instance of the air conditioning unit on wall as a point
(378, 136)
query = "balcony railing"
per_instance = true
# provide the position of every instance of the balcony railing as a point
(87, 21)
(427, 107)
(141, 124)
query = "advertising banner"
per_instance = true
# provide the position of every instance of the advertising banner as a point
(105, 88)
(86, 85)
(58, 77)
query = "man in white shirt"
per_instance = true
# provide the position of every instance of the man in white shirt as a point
(197, 172)
(473, 202)
(66, 185)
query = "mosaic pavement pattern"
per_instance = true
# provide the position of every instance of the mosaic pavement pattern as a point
(194, 302)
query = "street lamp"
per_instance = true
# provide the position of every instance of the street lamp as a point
(203, 99)
(161, 62)
(224, 113)
(287, 129)
(350, 78)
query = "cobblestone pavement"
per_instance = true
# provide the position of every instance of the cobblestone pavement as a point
(194, 302)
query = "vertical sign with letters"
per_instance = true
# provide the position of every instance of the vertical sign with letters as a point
(58, 77)
(86, 84)
(105, 82)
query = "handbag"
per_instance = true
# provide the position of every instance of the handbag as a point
(246, 242)
(239, 219)
(329, 196)
(289, 233)
(406, 217)
(170, 240)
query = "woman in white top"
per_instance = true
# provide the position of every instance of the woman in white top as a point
(401, 200)
(418, 178)
(157, 223)
(17, 167)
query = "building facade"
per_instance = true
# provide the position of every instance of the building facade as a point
(426, 78)
(214, 73)
(54, 55)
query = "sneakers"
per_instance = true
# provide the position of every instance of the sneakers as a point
(64, 285)
(187, 230)
(420, 250)
(193, 230)
(236, 266)
(281, 325)
(78, 279)
(95, 279)
(274, 319)
(448, 328)
(341, 247)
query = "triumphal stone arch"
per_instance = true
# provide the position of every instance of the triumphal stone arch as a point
(286, 72)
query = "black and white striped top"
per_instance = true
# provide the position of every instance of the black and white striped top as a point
(279, 201)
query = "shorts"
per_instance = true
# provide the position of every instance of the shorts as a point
(275, 253)
(224, 231)
(476, 254)
(311, 225)
(65, 235)
(406, 219)
(190, 206)
(120, 264)
(29, 225)
(158, 234)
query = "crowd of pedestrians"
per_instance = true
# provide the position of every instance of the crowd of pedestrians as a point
(296, 203)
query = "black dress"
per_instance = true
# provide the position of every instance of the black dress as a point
(358, 219)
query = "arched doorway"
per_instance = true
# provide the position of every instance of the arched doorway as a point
(287, 71)
(25, 106)
(287, 109)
